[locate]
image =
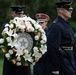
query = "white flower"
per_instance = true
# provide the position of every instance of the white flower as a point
(1, 41)
(13, 44)
(43, 49)
(7, 25)
(37, 55)
(10, 32)
(36, 37)
(8, 39)
(30, 19)
(6, 29)
(42, 41)
(31, 29)
(37, 26)
(22, 27)
(18, 58)
(26, 51)
(16, 18)
(11, 52)
(29, 26)
(44, 37)
(11, 26)
(19, 53)
(7, 55)
(17, 21)
(18, 63)
(41, 30)
(35, 49)
(25, 18)
(28, 57)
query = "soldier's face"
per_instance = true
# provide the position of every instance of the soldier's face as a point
(43, 24)
(16, 15)
(13, 14)
(67, 11)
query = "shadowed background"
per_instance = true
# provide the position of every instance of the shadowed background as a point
(32, 7)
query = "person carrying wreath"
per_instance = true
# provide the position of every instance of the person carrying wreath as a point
(8, 67)
(39, 67)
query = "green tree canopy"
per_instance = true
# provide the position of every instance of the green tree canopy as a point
(33, 7)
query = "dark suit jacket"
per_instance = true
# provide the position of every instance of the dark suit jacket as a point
(60, 34)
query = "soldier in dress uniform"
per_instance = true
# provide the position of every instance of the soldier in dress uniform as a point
(42, 19)
(60, 42)
(8, 67)
(17, 11)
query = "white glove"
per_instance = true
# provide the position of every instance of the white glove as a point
(55, 72)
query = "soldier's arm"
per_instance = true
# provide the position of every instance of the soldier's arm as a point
(53, 43)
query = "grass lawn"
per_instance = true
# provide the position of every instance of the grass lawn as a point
(1, 65)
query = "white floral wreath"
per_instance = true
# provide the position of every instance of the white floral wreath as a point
(10, 47)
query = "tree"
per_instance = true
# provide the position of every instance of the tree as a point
(31, 8)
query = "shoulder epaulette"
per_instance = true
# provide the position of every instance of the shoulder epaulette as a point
(55, 21)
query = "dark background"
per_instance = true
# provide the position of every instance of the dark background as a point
(31, 8)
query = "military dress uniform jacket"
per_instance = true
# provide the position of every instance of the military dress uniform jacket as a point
(10, 69)
(60, 34)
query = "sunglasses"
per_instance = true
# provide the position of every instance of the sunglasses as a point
(68, 7)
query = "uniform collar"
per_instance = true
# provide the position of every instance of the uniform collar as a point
(62, 20)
